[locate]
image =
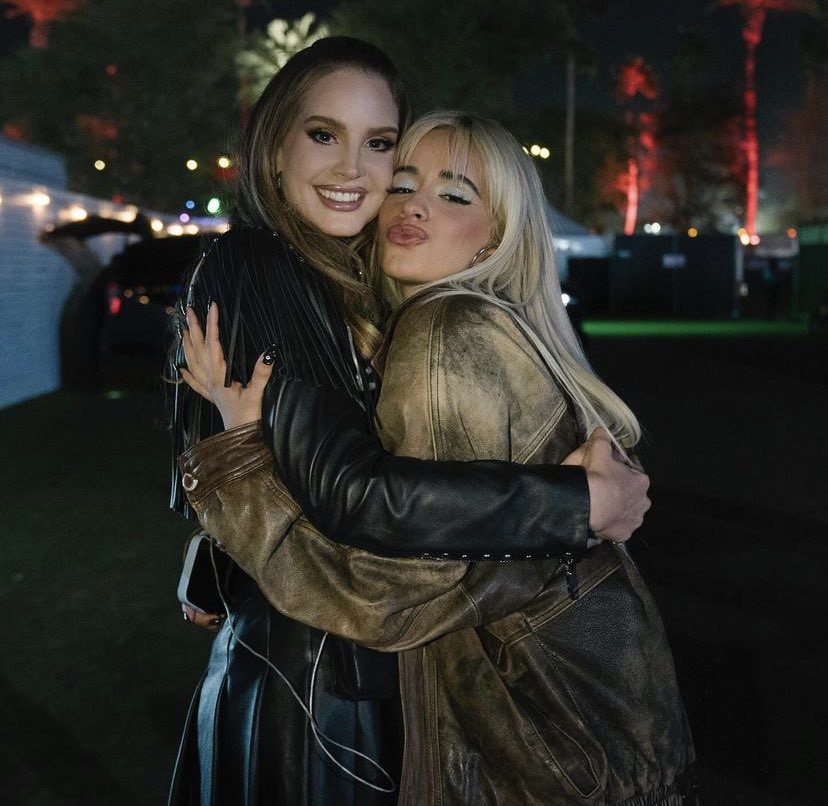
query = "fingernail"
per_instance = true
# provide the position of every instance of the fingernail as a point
(270, 354)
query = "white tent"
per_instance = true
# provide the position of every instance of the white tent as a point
(573, 240)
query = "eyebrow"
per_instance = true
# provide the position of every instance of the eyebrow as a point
(336, 124)
(413, 170)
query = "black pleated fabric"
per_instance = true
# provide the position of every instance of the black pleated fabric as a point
(246, 741)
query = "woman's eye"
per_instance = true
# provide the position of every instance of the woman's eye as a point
(381, 144)
(455, 198)
(397, 189)
(321, 136)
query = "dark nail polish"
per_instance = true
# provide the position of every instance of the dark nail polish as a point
(270, 354)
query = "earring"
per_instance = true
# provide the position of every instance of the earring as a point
(279, 181)
(482, 254)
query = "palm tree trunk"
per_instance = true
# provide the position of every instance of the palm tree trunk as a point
(752, 34)
(569, 137)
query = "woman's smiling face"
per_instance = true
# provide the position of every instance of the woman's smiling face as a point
(434, 220)
(337, 158)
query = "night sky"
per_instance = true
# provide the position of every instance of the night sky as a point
(632, 27)
(645, 28)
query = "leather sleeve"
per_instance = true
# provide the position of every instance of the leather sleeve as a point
(357, 493)
(382, 602)
(385, 603)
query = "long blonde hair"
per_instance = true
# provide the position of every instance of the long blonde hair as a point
(519, 271)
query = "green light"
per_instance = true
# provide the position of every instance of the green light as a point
(213, 206)
(689, 328)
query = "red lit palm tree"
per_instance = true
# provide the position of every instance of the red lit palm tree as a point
(42, 12)
(636, 83)
(753, 16)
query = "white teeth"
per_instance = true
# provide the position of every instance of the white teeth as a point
(338, 195)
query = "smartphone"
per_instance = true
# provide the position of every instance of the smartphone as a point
(203, 586)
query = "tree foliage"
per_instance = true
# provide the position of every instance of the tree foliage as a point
(142, 87)
(467, 54)
(268, 53)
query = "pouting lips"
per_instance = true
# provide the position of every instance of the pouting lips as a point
(405, 234)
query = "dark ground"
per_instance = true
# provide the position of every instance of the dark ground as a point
(96, 665)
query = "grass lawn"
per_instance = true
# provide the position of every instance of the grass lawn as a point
(719, 328)
(97, 664)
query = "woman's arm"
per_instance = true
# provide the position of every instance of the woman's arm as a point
(385, 603)
(391, 603)
(352, 489)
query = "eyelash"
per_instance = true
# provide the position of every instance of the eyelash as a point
(453, 198)
(379, 144)
(382, 144)
(317, 136)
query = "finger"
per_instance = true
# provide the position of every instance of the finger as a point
(192, 342)
(599, 435)
(193, 325)
(598, 448)
(206, 621)
(261, 372)
(211, 330)
(576, 457)
(212, 343)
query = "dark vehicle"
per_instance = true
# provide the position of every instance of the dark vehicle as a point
(142, 284)
(122, 307)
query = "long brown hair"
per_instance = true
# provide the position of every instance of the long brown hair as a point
(259, 202)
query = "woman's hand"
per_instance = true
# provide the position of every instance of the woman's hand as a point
(617, 488)
(207, 621)
(206, 369)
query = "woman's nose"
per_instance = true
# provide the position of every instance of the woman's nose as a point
(415, 206)
(350, 166)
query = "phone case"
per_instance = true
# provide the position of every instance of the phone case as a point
(201, 585)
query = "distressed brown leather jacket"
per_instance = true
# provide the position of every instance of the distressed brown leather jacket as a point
(516, 688)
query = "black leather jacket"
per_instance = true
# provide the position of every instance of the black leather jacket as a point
(326, 451)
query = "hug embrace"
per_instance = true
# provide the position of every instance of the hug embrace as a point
(383, 416)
